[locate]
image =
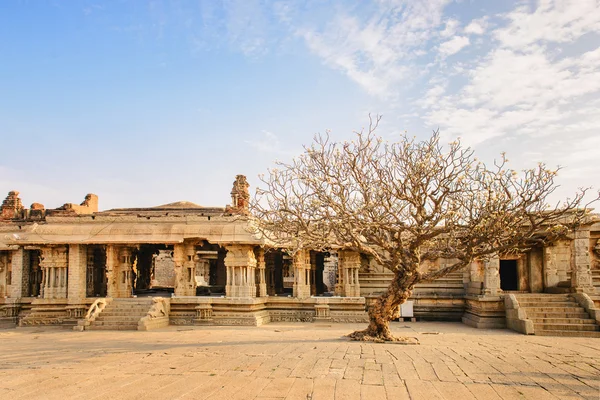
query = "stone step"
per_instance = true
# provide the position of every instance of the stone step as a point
(128, 306)
(565, 327)
(532, 315)
(101, 322)
(543, 297)
(113, 327)
(587, 334)
(554, 309)
(120, 314)
(527, 304)
(119, 318)
(586, 321)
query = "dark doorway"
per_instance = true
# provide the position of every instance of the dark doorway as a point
(96, 272)
(35, 274)
(318, 287)
(279, 273)
(210, 269)
(509, 278)
(147, 281)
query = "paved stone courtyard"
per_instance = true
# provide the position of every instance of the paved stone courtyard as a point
(295, 361)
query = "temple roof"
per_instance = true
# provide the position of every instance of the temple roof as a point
(179, 205)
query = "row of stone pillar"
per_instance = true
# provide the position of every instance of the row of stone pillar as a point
(64, 272)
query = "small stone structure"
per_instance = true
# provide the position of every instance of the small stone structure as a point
(57, 263)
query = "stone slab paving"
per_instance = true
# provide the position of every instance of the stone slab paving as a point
(295, 361)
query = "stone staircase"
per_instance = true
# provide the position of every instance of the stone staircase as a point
(557, 315)
(122, 314)
(377, 282)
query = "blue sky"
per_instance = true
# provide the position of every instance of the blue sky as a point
(149, 102)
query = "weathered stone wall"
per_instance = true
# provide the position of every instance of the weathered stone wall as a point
(164, 269)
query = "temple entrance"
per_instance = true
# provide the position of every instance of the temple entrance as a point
(154, 270)
(509, 277)
(95, 278)
(35, 274)
(211, 274)
(318, 288)
(279, 273)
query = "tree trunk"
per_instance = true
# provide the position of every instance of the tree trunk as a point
(385, 308)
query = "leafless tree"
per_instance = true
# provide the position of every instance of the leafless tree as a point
(406, 202)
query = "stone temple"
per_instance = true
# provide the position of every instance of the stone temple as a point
(184, 264)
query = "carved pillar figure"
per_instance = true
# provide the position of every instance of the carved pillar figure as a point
(491, 276)
(261, 267)
(119, 263)
(240, 263)
(18, 271)
(301, 263)
(54, 263)
(581, 276)
(330, 271)
(184, 256)
(349, 264)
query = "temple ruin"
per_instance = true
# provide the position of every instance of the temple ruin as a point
(184, 264)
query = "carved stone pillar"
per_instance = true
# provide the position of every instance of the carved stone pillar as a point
(301, 262)
(18, 270)
(261, 267)
(240, 263)
(330, 272)
(491, 276)
(184, 256)
(349, 264)
(550, 267)
(119, 263)
(54, 263)
(4, 266)
(77, 272)
(581, 275)
(270, 273)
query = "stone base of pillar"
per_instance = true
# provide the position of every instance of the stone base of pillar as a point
(185, 291)
(122, 294)
(240, 291)
(301, 291)
(262, 290)
(351, 290)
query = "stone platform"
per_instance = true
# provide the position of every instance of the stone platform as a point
(295, 361)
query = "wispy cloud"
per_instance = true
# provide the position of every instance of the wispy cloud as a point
(377, 49)
(454, 45)
(269, 143)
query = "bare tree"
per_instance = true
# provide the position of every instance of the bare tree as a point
(406, 202)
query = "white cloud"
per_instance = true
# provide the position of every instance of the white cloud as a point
(558, 21)
(376, 51)
(454, 45)
(476, 27)
(535, 87)
(451, 28)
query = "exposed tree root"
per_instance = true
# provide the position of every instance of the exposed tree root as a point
(369, 336)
